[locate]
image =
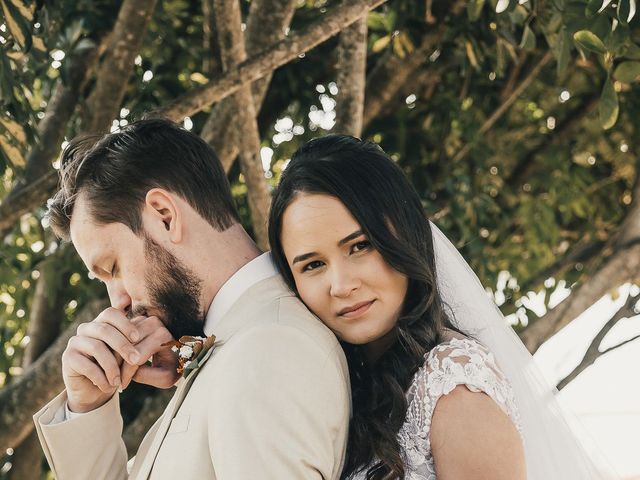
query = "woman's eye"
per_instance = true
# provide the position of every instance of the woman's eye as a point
(312, 266)
(360, 246)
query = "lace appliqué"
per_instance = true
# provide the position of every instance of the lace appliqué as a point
(455, 362)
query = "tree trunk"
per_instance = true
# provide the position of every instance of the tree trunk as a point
(211, 63)
(47, 310)
(230, 37)
(218, 131)
(104, 102)
(351, 66)
(269, 59)
(41, 382)
(26, 461)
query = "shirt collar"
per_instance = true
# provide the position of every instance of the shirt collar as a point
(258, 269)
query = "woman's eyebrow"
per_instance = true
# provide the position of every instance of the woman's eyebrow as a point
(303, 257)
(350, 237)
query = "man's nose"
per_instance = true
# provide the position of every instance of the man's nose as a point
(343, 282)
(118, 296)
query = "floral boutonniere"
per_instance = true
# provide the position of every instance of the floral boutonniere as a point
(190, 351)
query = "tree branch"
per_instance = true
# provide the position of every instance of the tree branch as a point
(621, 344)
(525, 165)
(269, 59)
(24, 199)
(351, 66)
(40, 181)
(27, 394)
(495, 116)
(621, 266)
(229, 20)
(391, 73)
(114, 71)
(593, 351)
(578, 254)
(514, 74)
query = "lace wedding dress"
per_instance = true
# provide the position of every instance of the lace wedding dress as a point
(455, 362)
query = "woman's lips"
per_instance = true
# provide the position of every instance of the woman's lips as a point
(356, 310)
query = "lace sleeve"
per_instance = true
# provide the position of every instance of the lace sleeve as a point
(456, 362)
(462, 362)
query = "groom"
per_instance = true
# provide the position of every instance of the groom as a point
(150, 212)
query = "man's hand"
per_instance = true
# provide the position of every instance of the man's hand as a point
(106, 353)
(162, 372)
(91, 361)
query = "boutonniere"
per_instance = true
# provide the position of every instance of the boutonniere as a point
(190, 351)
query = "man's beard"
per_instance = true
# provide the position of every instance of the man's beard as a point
(174, 290)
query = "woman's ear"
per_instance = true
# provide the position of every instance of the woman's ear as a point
(164, 213)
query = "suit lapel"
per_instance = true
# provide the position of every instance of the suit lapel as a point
(165, 422)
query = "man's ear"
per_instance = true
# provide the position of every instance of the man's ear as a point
(164, 213)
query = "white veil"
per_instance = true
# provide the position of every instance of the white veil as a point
(551, 447)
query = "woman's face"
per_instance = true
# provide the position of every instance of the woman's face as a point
(338, 274)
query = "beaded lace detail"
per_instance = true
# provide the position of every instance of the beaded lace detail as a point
(452, 363)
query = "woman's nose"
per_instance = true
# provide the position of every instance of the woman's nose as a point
(343, 283)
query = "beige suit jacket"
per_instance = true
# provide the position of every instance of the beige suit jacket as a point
(272, 401)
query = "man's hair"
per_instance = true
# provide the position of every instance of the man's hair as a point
(114, 172)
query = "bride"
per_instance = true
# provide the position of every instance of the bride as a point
(441, 386)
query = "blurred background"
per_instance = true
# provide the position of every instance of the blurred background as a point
(516, 120)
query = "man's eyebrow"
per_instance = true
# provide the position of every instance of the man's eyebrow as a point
(350, 237)
(303, 257)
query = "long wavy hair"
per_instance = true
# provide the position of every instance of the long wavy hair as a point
(381, 199)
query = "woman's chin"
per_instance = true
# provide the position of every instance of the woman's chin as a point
(357, 338)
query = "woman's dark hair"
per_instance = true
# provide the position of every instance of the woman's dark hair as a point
(381, 199)
(115, 171)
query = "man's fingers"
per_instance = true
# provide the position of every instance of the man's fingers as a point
(152, 343)
(86, 368)
(92, 348)
(148, 325)
(154, 334)
(156, 376)
(110, 335)
(120, 322)
(127, 372)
